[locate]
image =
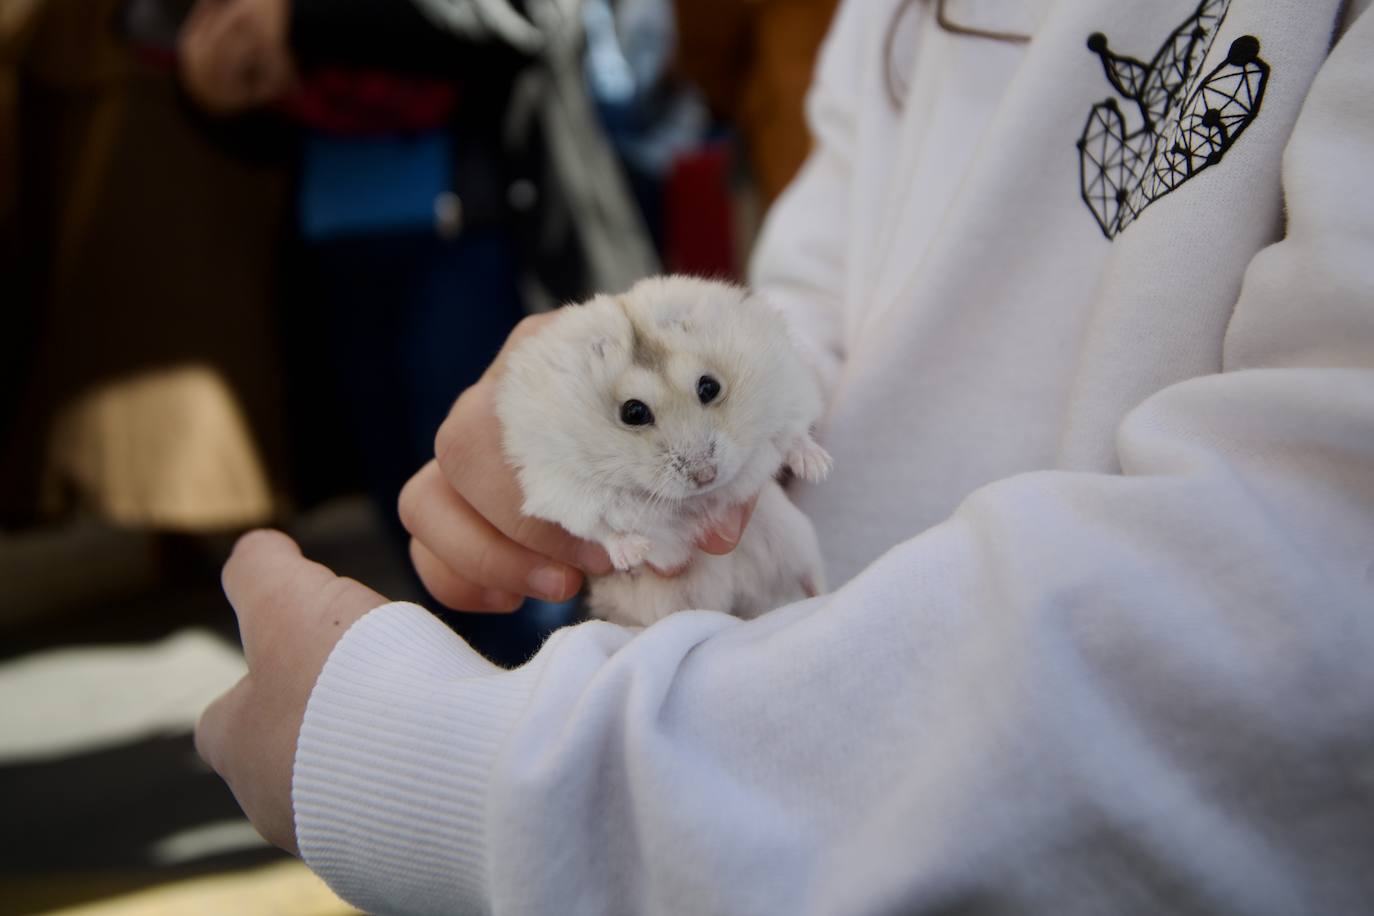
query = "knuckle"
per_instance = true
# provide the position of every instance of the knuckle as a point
(447, 589)
(544, 538)
(432, 583)
(452, 596)
(527, 327)
(408, 503)
(454, 442)
(489, 566)
(441, 593)
(444, 437)
(438, 580)
(332, 592)
(530, 532)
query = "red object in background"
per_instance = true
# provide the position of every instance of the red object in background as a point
(339, 101)
(698, 214)
(369, 102)
(156, 56)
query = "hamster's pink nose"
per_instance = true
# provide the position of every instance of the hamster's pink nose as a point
(704, 475)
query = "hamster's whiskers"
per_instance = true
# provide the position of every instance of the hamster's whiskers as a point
(656, 496)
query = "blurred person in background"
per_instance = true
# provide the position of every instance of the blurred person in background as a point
(406, 273)
(407, 254)
(1088, 289)
(431, 211)
(143, 385)
(753, 61)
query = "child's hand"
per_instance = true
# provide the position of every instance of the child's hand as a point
(291, 613)
(234, 54)
(471, 545)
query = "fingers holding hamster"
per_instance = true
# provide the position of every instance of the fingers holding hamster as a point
(473, 463)
(724, 535)
(473, 546)
(524, 329)
(472, 549)
(453, 591)
(719, 539)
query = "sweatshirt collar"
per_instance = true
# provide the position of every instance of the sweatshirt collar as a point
(994, 17)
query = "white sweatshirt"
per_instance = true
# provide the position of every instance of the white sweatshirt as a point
(1101, 525)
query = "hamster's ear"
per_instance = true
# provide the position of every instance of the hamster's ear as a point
(677, 319)
(759, 302)
(602, 349)
(704, 303)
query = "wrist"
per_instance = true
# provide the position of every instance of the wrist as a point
(394, 758)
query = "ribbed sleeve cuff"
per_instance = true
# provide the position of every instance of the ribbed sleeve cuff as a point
(393, 760)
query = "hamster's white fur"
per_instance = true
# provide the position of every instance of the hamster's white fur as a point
(648, 491)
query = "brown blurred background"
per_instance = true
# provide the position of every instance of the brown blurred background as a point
(247, 259)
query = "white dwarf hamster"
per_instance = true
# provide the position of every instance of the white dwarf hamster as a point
(636, 420)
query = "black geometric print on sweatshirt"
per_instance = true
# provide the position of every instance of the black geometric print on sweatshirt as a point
(1187, 121)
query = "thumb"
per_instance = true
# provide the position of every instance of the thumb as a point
(728, 530)
(285, 602)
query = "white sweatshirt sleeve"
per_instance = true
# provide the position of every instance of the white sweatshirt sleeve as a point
(1081, 693)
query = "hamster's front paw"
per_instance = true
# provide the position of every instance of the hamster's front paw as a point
(809, 461)
(628, 550)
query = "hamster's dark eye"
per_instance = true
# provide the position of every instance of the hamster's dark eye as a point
(636, 413)
(707, 389)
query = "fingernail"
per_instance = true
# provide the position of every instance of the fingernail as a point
(549, 582)
(731, 526)
(593, 559)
